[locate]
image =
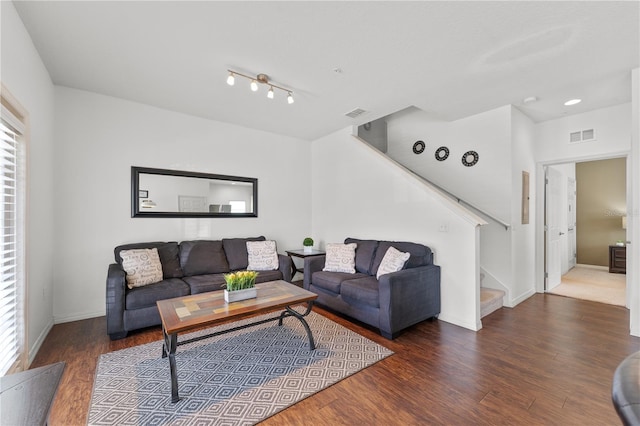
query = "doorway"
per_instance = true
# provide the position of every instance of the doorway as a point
(585, 203)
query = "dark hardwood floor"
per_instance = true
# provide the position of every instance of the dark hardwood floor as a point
(550, 360)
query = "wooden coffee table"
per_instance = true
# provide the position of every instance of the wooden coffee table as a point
(190, 312)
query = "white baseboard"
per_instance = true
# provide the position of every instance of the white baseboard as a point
(78, 316)
(33, 351)
(460, 322)
(524, 296)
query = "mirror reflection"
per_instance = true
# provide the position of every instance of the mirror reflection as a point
(173, 193)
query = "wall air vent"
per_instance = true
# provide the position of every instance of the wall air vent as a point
(575, 137)
(582, 136)
(356, 112)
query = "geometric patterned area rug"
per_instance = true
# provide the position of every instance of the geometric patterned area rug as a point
(239, 378)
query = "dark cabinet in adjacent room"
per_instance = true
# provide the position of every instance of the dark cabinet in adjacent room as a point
(618, 259)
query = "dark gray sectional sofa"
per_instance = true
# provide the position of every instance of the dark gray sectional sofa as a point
(392, 303)
(188, 267)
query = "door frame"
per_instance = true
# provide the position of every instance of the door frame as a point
(572, 234)
(541, 254)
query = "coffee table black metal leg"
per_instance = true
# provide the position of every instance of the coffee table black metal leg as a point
(169, 349)
(293, 313)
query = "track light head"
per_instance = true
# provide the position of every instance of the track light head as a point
(270, 93)
(289, 99)
(231, 80)
(254, 86)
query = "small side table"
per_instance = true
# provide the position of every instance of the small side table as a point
(618, 259)
(301, 254)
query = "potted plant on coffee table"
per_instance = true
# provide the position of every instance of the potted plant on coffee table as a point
(239, 286)
(307, 243)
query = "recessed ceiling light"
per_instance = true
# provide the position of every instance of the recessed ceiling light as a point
(572, 102)
(529, 100)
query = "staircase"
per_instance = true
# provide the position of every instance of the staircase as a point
(490, 300)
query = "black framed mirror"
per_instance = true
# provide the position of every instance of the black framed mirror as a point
(177, 193)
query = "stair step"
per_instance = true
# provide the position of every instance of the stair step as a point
(490, 300)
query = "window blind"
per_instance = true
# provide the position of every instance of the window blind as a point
(11, 240)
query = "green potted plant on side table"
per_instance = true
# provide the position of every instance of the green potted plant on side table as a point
(307, 244)
(239, 286)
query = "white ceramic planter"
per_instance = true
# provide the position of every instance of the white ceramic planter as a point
(234, 296)
(308, 249)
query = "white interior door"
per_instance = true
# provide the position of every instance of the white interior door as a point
(553, 197)
(571, 222)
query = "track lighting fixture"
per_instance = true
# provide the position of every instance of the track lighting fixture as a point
(262, 79)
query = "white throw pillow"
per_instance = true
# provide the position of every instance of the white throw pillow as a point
(142, 266)
(262, 255)
(340, 258)
(393, 261)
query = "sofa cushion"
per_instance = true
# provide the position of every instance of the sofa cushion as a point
(214, 282)
(362, 291)
(142, 266)
(264, 276)
(262, 255)
(365, 253)
(202, 257)
(340, 258)
(331, 280)
(393, 261)
(205, 283)
(168, 253)
(236, 251)
(420, 254)
(144, 297)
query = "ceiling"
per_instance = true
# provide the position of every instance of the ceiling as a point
(452, 59)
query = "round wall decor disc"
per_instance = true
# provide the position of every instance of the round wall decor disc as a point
(442, 153)
(470, 158)
(418, 147)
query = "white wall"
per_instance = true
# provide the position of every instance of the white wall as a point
(99, 138)
(522, 282)
(24, 75)
(375, 135)
(612, 126)
(487, 185)
(358, 192)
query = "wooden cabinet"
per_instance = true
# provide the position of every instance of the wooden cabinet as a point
(618, 259)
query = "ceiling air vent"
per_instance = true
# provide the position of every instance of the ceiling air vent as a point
(356, 112)
(582, 136)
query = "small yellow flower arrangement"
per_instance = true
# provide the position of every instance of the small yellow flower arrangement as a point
(240, 280)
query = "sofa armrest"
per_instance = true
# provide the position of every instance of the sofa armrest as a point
(311, 265)
(116, 291)
(408, 297)
(285, 267)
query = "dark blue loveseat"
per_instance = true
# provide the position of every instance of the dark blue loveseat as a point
(392, 303)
